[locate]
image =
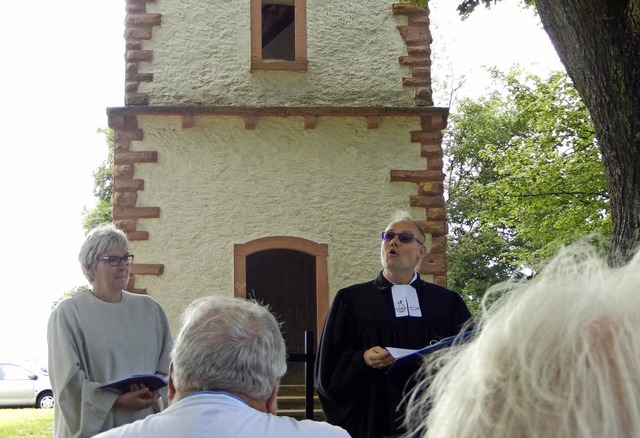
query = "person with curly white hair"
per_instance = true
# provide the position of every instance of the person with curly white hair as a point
(555, 356)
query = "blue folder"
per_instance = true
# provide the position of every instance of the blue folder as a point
(151, 381)
(416, 357)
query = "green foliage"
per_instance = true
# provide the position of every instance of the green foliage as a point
(99, 214)
(478, 260)
(103, 188)
(524, 177)
(466, 7)
(420, 3)
(70, 293)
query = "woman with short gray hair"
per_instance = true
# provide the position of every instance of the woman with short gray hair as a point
(103, 335)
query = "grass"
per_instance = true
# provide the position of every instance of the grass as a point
(26, 422)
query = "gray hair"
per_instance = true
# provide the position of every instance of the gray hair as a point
(229, 344)
(554, 357)
(104, 237)
(402, 215)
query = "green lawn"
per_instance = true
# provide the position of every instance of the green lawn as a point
(26, 422)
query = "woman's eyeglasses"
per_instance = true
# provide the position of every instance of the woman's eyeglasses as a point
(116, 260)
(403, 237)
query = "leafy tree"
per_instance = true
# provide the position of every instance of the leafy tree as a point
(70, 293)
(478, 259)
(103, 189)
(524, 176)
(598, 42)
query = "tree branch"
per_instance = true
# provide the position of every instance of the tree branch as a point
(536, 195)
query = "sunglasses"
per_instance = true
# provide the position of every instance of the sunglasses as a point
(403, 237)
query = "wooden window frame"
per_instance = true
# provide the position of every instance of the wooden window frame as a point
(300, 61)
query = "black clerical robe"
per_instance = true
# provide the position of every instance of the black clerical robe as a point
(361, 399)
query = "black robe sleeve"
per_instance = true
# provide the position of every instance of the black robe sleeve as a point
(340, 365)
(341, 374)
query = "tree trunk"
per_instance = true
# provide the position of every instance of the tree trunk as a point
(598, 41)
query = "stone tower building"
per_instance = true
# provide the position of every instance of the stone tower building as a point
(265, 144)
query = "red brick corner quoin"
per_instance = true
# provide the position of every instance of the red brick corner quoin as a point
(417, 37)
(125, 190)
(430, 183)
(138, 28)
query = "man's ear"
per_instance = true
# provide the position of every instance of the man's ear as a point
(172, 388)
(272, 401)
(423, 251)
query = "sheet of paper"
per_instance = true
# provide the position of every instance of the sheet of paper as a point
(399, 352)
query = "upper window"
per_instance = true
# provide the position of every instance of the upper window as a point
(278, 35)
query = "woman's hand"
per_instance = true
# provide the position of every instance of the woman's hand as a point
(139, 397)
(378, 357)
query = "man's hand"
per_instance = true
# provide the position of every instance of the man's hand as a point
(140, 397)
(378, 357)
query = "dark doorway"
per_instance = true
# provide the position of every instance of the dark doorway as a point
(286, 280)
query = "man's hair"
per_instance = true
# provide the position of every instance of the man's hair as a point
(557, 356)
(228, 344)
(402, 215)
(104, 237)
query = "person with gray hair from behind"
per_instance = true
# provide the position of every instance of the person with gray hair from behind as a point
(557, 356)
(226, 365)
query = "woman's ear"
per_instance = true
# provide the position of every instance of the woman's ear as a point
(89, 272)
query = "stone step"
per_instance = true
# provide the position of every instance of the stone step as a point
(296, 402)
(300, 414)
(292, 390)
(291, 402)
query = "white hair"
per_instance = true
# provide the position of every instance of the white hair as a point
(229, 344)
(104, 237)
(402, 215)
(558, 356)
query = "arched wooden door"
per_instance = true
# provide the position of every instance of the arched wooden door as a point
(290, 275)
(286, 280)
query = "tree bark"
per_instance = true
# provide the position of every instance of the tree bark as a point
(598, 41)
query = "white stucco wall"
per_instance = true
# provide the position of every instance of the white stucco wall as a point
(218, 184)
(202, 52)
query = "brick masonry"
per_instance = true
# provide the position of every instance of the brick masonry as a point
(138, 27)
(125, 190)
(417, 36)
(429, 182)
(430, 185)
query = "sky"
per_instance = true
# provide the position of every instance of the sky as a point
(63, 66)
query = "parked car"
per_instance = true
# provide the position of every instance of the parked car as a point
(20, 386)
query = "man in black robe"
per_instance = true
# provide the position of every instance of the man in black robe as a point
(397, 309)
